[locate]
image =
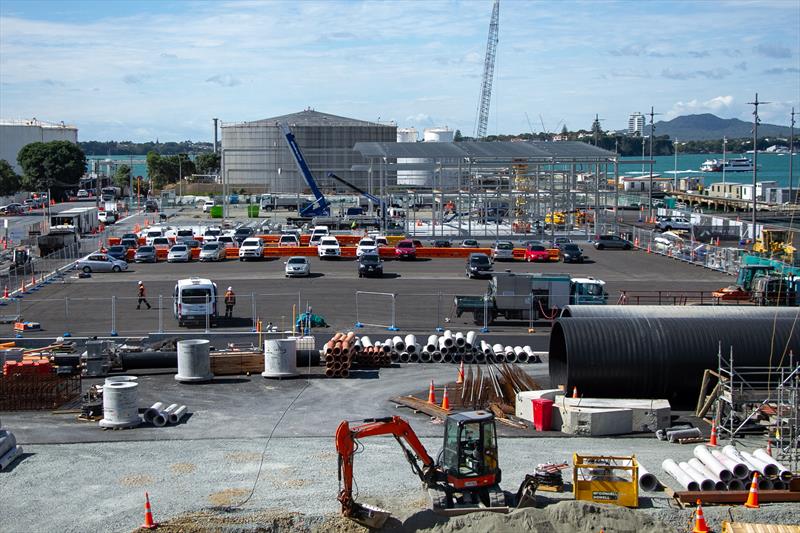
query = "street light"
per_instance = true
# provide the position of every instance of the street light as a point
(675, 171)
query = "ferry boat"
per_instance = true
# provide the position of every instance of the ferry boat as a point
(739, 164)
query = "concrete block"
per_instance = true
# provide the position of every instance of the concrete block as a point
(594, 422)
(647, 415)
(524, 407)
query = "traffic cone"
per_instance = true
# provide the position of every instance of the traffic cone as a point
(648, 248)
(575, 392)
(445, 401)
(460, 379)
(148, 514)
(22, 286)
(5, 292)
(769, 441)
(431, 394)
(713, 440)
(33, 280)
(700, 521)
(752, 498)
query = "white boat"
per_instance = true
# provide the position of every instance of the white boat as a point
(739, 164)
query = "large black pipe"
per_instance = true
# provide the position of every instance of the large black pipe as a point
(140, 360)
(651, 357)
(677, 311)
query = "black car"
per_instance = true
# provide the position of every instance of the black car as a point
(241, 234)
(441, 244)
(370, 265)
(571, 253)
(151, 206)
(130, 243)
(118, 251)
(478, 266)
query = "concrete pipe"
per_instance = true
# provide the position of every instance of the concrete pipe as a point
(177, 415)
(194, 361)
(160, 420)
(471, 338)
(411, 343)
(511, 357)
(684, 480)
(690, 433)
(398, 344)
(500, 357)
(171, 409)
(7, 442)
(460, 339)
(439, 358)
(784, 473)
(734, 454)
(647, 481)
(705, 483)
(735, 484)
(497, 348)
(366, 342)
(425, 357)
(152, 411)
(480, 358)
(695, 463)
(394, 357)
(404, 357)
(765, 468)
(468, 358)
(432, 344)
(739, 469)
(448, 338)
(702, 453)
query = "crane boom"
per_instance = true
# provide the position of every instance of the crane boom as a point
(374, 199)
(488, 72)
(320, 206)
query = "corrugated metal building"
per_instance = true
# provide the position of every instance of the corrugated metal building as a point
(14, 134)
(255, 154)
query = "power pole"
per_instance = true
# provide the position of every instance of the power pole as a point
(488, 73)
(650, 185)
(756, 120)
(791, 156)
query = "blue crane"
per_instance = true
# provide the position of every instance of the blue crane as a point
(320, 207)
(374, 199)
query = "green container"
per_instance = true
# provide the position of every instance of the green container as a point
(216, 211)
(252, 211)
(670, 202)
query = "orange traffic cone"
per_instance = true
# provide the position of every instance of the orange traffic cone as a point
(33, 280)
(460, 374)
(648, 248)
(752, 498)
(148, 514)
(445, 401)
(700, 521)
(713, 440)
(5, 292)
(431, 394)
(22, 286)
(575, 392)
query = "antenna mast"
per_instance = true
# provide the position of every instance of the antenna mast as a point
(488, 73)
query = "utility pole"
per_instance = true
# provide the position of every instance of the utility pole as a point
(756, 120)
(791, 156)
(650, 186)
(216, 120)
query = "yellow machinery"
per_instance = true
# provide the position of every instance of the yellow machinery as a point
(606, 479)
(776, 243)
(558, 218)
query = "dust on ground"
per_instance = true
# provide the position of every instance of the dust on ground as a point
(182, 468)
(243, 457)
(136, 480)
(227, 497)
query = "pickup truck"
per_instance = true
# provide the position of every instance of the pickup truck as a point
(673, 223)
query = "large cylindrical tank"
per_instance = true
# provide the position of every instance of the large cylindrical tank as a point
(194, 361)
(406, 135)
(280, 358)
(676, 311)
(652, 357)
(120, 405)
(438, 135)
(412, 176)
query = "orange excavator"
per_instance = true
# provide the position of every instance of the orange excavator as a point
(465, 478)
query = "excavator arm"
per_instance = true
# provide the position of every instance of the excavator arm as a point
(346, 444)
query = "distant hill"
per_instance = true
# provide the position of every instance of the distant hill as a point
(710, 127)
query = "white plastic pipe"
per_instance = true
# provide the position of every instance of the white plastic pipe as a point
(486, 347)
(705, 483)
(404, 357)
(154, 410)
(387, 346)
(735, 484)
(722, 473)
(471, 339)
(768, 469)
(497, 348)
(647, 481)
(366, 342)
(160, 419)
(357, 346)
(432, 343)
(448, 338)
(684, 480)
(460, 339)
(177, 415)
(398, 343)
(411, 343)
(508, 350)
(734, 454)
(784, 473)
(438, 357)
(468, 358)
(695, 463)
(739, 470)
(425, 357)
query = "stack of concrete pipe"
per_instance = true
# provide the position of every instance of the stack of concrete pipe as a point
(160, 415)
(727, 468)
(9, 450)
(338, 355)
(456, 347)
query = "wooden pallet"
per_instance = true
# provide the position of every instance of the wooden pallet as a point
(231, 364)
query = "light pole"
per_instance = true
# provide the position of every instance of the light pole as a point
(755, 105)
(675, 169)
(791, 156)
(724, 154)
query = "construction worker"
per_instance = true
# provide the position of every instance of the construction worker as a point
(142, 299)
(230, 301)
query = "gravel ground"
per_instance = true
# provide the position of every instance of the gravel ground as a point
(100, 486)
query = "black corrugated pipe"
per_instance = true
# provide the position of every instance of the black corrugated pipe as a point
(140, 360)
(677, 311)
(659, 357)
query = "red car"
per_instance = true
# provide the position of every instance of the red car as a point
(536, 252)
(405, 249)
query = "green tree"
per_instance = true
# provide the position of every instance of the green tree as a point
(155, 169)
(207, 163)
(122, 177)
(55, 166)
(457, 137)
(9, 180)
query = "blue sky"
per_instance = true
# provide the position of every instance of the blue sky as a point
(137, 70)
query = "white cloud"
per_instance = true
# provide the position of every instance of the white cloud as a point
(692, 107)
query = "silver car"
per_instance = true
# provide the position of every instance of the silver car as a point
(98, 262)
(212, 251)
(297, 266)
(180, 253)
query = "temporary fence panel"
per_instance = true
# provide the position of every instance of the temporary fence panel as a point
(377, 309)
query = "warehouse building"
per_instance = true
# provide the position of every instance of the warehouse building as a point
(14, 134)
(255, 155)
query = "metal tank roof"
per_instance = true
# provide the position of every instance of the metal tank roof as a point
(568, 150)
(309, 117)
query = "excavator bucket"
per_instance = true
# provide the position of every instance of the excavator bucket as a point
(526, 495)
(369, 516)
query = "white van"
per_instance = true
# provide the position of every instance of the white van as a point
(318, 233)
(193, 300)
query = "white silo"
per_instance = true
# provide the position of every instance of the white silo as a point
(412, 177)
(438, 135)
(406, 135)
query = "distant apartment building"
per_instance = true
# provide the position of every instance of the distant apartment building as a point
(636, 124)
(14, 134)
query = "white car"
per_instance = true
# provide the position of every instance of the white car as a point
(251, 249)
(673, 223)
(297, 266)
(152, 235)
(289, 240)
(180, 253)
(98, 262)
(107, 217)
(503, 251)
(366, 246)
(211, 235)
(328, 247)
(82, 193)
(207, 205)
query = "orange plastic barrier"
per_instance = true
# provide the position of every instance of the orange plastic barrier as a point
(113, 241)
(195, 253)
(161, 254)
(232, 253)
(287, 251)
(554, 254)
(451, 252)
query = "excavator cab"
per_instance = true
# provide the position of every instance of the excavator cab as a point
(470, 450)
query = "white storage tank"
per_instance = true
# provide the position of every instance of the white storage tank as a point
(194, 361)
(280, 358)
(438, 135)
(120, 405)
(407, 135)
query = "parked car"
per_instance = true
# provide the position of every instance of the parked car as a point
(107, 217)
(558, 242)
(503, 251)
(82, 193)
(11, 209)
(161, 243)
(611, 241)
(152, 234)
(207, 205)
(441, 243)
(129, 236)
(212, 251)
(129, 244)
(366, 246)
(183, 235)
(211, 234)
(380, 240)
(536, 252)
(328, 247)
(118, 251)
(251, 248)
(151, 206)
(673, 223)
(405, 249)
(571, 253)
(180, 253)
(297, 266)
(478, 266)
(469, 243)
(192, 244)
(99, 262)
(145, 254)
(227, 241)
(288, 240)
(241, 234)
(370, 265)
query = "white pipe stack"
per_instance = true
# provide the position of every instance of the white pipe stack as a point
(404, 357)
(735, 484)
(448, 338)
(647, 481)
(763, 467)
(468, 358)
(722, 473)
(703, 469)
(398, 343)
(486, 348)
(784, 473)
(177, 414)
(705, 483)
(497, 349)
(734, 454)
(472, 339)
(411, 343)
(439, 357)
(388, 345)
(461, 341)
(739, 470)
(432, 343)
(366, 342)
(684, 480)
(425, 357)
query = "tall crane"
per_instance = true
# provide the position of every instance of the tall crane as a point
(320, 206)
(488, 72)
